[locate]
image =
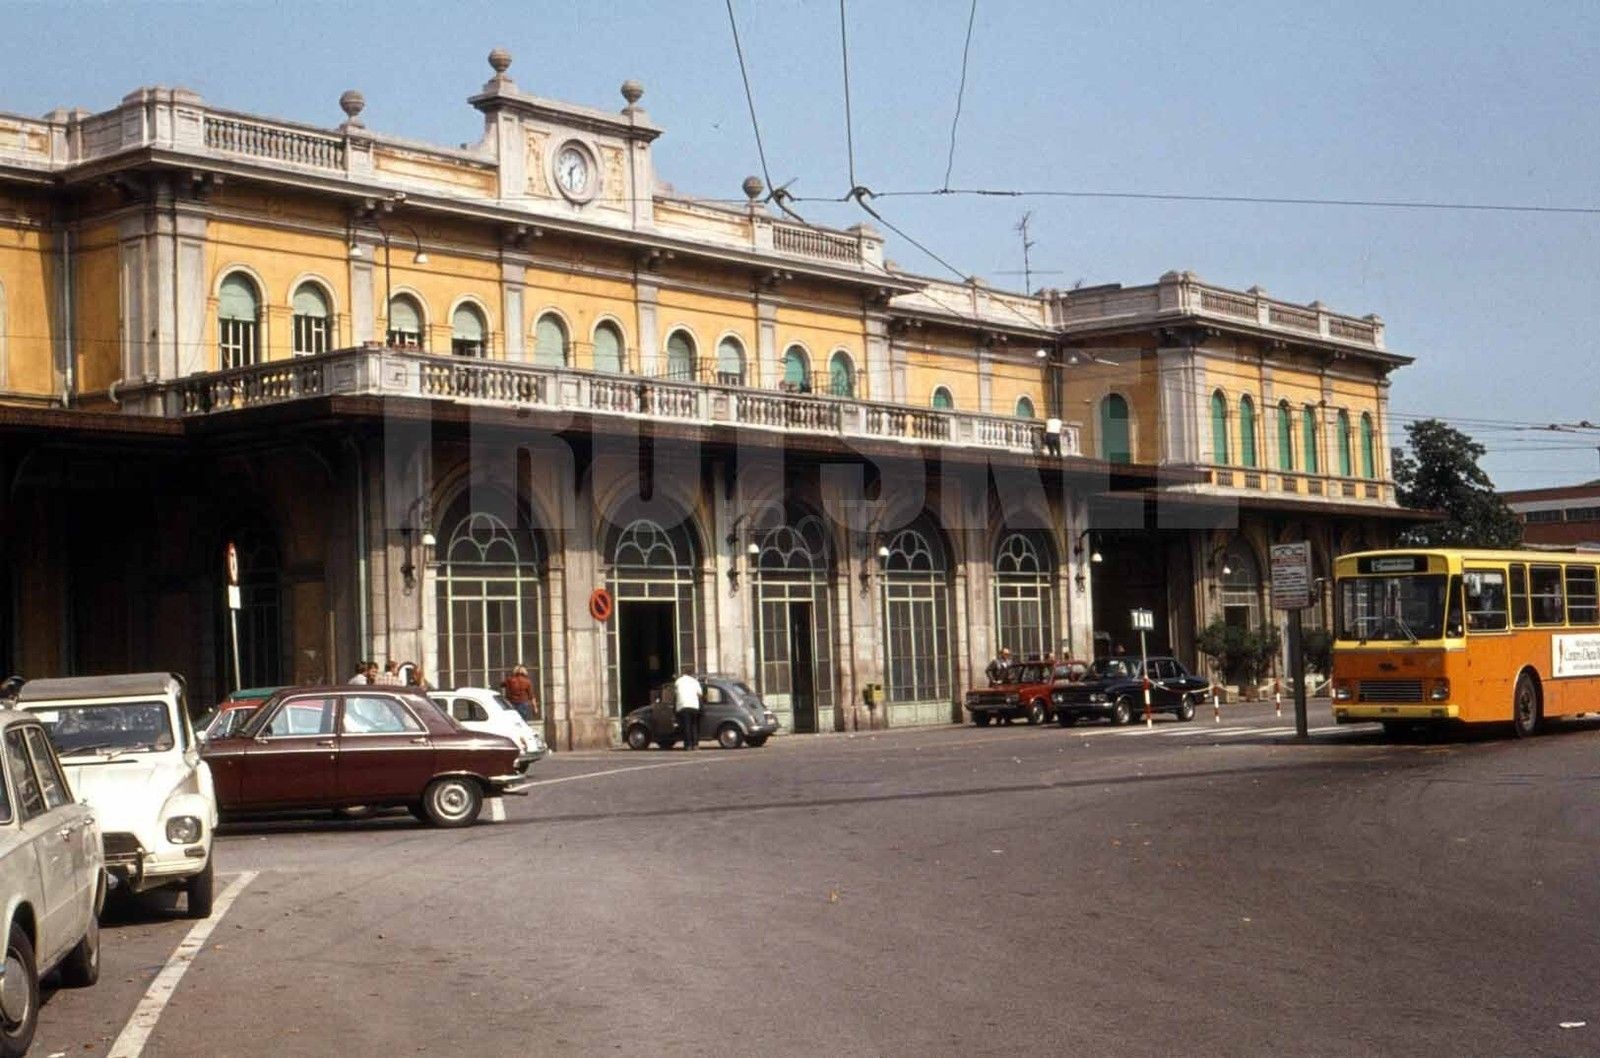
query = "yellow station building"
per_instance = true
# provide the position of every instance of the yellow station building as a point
(440, 398)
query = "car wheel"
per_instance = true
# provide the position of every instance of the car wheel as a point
(1066, 719)
(453, 801)
(1036, 713)
(1186, 708)
(981, 719)
(19, 995)
(201, 889)
(81, 967)
(638, 737)
(756, 741)
(1525, 707)
(1122, 711)
(729, 736)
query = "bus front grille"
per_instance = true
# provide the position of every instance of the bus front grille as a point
(1391, 690)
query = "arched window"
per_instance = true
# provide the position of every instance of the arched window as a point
(1024, 599)
(942, 400)
(405, 323)
(1285, 436)
(550, 341)
(680, 356)
(796, 370)
(238, 322)
(468, 331)
(916, 628)
(841, 375)
(790, 576)
(608, 348)
(1241, 586)
(1115, 443)
(490, 600)
(313, 320)
(1344, 443)
(1219, 429)
(730, 362)
(1308, 440)
(1024, 407)
(1369, 460)
(653, 577)
(1247, 431)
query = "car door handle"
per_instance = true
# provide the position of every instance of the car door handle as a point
(325, 742)
(419, 742)
(66, 832)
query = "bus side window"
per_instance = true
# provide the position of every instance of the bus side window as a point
(1582, 605)
(1545, 595)
(1486, 600)
(1452, 620)
(1519, 595)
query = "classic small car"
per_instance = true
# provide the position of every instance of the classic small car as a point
(1113, 689)
(316, 749)
(232, 712)
(480, 709)
(52, 879)
(1023, 693)
(731, 712)
(132, 756)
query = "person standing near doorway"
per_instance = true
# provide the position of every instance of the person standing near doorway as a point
(1000, 667)
(688, 692)
(518, 689)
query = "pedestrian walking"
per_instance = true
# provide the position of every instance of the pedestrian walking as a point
(390, 676)
(999, 667)
(688, 692)
(518, 691)
(367, 673)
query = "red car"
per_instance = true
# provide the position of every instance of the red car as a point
(314, 749)
(1024, 693)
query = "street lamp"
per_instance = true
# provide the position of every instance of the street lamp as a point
(408, 569)
(1082, 576)
(418, 258)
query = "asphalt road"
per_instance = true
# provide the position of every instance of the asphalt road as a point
(1195, 888)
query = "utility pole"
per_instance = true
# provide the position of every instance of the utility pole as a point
(1027, 244)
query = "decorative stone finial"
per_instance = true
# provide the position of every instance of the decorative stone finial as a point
(752, 188)
(500, 62)
(352, 103)
(632, 91)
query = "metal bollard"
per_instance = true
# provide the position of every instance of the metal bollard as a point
(1277, 697)
(1216, 710)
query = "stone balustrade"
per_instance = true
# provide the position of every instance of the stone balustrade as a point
(374, 370)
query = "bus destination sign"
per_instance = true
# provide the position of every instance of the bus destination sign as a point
(1392, 564)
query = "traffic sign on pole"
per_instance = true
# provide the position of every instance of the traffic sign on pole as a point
(1291, 576)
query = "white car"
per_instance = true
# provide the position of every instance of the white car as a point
(480, 709)
(52, 879)
(131, 755)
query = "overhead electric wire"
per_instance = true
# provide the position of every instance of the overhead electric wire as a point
(849, 132)
(749, 98)
(961, 90)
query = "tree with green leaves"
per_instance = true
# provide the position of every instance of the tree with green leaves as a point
(1441, 473)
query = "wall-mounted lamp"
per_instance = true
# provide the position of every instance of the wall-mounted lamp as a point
(408, 568)
(867, 567)
(1081, 577)
(751, 552)
(1219, 560)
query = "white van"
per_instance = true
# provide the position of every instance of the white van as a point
(131, 755)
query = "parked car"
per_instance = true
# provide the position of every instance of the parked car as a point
(231, 712)
(132, 756)
(480, 709)
(315, 749)
(731, 712)
(1024, 693)
(1114, 690)
(52, 878)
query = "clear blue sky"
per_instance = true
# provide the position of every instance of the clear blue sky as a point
(1450, 102)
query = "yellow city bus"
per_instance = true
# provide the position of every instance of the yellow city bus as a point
(1443, 634)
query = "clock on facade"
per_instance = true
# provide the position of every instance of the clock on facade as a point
(574, 172)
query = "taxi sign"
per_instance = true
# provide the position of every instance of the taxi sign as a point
(1144, 621)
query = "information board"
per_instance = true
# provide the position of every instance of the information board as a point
(1291, 576)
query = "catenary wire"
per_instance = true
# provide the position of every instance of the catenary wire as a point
(849, 133)
(961, 89)
(749, 98)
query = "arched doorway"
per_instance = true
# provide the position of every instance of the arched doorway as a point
(1024, 594)
(260, 608)
(652, 580)
(790, 575)
(490, 597)
(1241, 586)
(916, 628)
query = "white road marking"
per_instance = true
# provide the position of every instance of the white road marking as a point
(621, 771)
(135, 1034)
(497, 810)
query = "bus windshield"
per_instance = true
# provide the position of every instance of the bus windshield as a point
(1403, 609)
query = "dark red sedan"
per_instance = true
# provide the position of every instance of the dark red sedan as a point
(321, 748)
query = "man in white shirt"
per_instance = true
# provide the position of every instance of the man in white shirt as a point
(688, 691)
(1052, 435)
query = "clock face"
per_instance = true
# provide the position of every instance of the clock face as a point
(572, 171)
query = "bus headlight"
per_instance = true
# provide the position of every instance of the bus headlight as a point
(1341, 692)
(1440, 691)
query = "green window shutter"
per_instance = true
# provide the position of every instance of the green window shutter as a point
(794, 366)
(1115, 443)
(1285, 437)
(1247, 431)
(1219, 429)
(1024, 408)
(466, 324)
(236, 299)
(1309, 439)
(680, 357)
(730, 361)
(841, 376)
(1344, 443)
(942, 399)
(1368, 460)
(607, 348)
(310, 301)
(550, 341)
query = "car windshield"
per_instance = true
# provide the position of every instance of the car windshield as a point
(230, 722)
(1030, 674)
(1401, 609)
(1110, 668)
(112, 727)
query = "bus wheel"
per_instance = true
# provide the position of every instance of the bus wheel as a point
(1525, 707)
